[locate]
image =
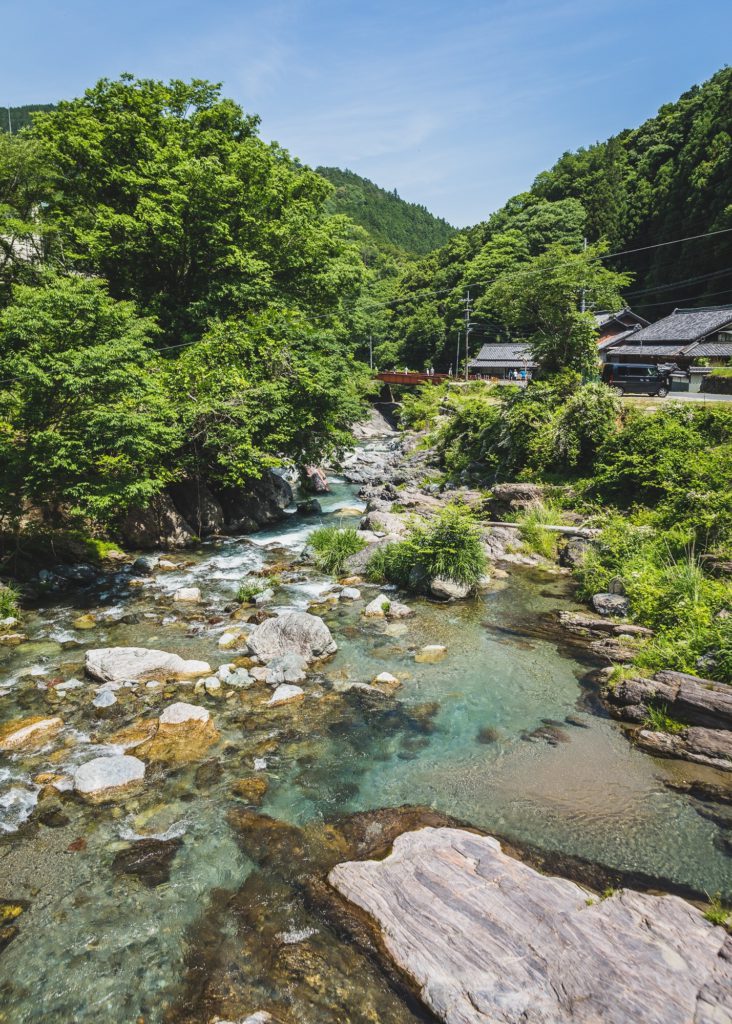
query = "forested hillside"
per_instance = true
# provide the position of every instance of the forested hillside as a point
(15, 118)
(390, 220)
(668, 179)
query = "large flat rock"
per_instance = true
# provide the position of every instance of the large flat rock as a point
(489, 940)
(118, 664)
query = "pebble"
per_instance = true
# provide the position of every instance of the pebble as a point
(104, 699)
(189, 594)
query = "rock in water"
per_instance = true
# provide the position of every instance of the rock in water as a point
(149, 859)
(184, 733)
(313, 480)
(448, 590)
(489, 939)
(285, 693)
(28, 733)
(188, 594)
(105, 778)
(118, 664)
(292, 633)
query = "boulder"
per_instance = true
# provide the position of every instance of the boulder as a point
(573, 552)
(257, 504)
(187, 595)
(292, 633)
(611, 604)
(497, 540)
(106, 778)
(119, 664)
(184, 733)
(357, 562)
(688, 698)
(384, 522)
(158, 525)
(145, 565)
(712, 747)
(397, 610)
(28, 733)
(285, 693)
(313, 480)
(448, 590)
(289, 668)
(198, 506)
(377, 608)
(508, 499)
(350, 594)
(311, 507)
(486, 938)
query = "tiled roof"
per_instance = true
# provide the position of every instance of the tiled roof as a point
(710, 348)
(624, 316)
(687, 325)
(505, 354)
(615, 339)
(668, 351)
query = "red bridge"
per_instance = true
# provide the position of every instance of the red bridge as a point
(412, 379)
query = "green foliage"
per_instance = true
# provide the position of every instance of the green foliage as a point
(332, 545)
(421, 406)
(658, 720)
(389, 219)
(167, 192)
(25, 237)
(718, 382)
(12, 119)
(449, 546)
(85, 422)
(9, 602)
(532, 532)
(540, 300)
(248, 590)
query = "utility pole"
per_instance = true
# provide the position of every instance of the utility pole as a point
(582, 294)
(371, 351)
(10, 123)
(467, 331)
(457, 358)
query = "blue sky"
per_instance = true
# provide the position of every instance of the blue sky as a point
(457, 105)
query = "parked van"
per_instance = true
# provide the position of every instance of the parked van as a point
(637, 379)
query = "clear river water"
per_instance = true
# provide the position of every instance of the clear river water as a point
(224, 936)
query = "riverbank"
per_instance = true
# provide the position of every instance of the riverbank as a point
(171, 901)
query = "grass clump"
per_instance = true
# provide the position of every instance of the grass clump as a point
(717, 913)
(532, 528)
(332, 545)
(449, 546)
(658, 720)
(248, 590)
(9, 602)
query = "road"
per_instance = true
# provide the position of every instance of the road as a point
(679, 396)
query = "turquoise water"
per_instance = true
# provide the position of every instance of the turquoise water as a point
(225, 936)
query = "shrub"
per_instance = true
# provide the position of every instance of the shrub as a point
(718, 382)
(421, 407)
(449, 546)
(332, 545)
(9, 598)
(717, 913)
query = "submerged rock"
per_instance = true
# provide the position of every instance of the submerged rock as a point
(431, 653)
(119, 664)
(292, 633)
(28, 733)
(150, 860)
(251, 789)
(106, 778)
(487, 938)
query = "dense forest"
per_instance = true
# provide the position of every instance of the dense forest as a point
(389, 220)
(670, 178)
(175, 304)
(12, 119)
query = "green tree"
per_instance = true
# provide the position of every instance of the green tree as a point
(540, 302)
(25, 182)
(86, 429)
(168, 193)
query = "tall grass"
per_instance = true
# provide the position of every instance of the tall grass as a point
(332, 545)
(532, 532)
(9, 598)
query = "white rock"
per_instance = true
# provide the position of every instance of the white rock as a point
(240, 678)
(286, 692)
(448, 590)
(10, 622)
(264, 597)
(28, 733)
(213, 686)
(397, 610)
(181, 713)
(290, 668)
(191, 595)
(106, 777)
(292, 632)
(104, 699)
(487, 938)
(386, 678)
(232, 638)
(377, 608)
(118, 664)
(350, 594)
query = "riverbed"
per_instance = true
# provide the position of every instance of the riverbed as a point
(504, 733)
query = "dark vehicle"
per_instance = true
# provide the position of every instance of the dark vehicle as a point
(637, 379)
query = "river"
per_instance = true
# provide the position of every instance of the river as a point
(504, 733)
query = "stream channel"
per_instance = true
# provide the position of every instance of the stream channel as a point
(97, 945)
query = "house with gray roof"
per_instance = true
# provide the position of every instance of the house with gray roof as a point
(503, 361)
(681, 337)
